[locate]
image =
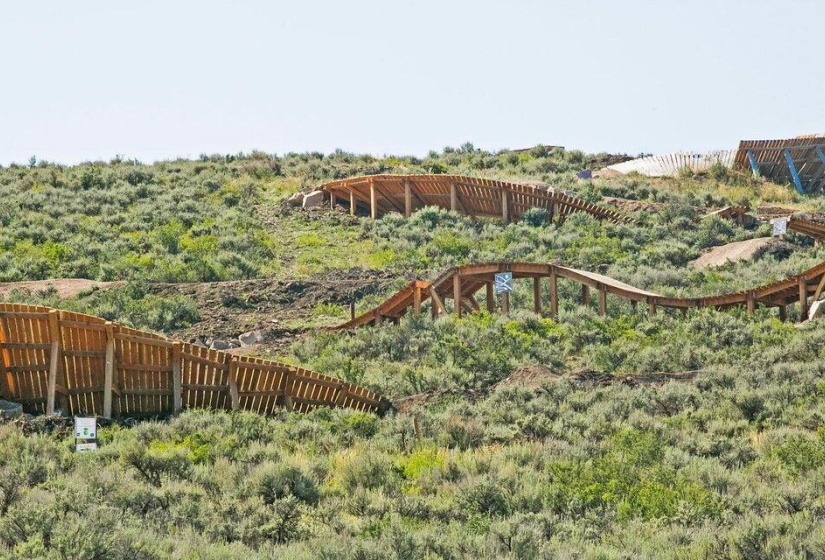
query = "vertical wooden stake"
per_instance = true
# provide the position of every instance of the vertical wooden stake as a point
(505, 206)
(54, 364)
(373, 201)
(177, 378)
(288, 404)
(651, 307)
(537, 294)
(417, 301)
(803, 298)
(783, 313)
(554, 294)
(407, 198)
(352, 203)
(453, 197)
(109, 372)
(457, 293)
(351, 310)
(491, 302)
(585, 295)
(505, 302)
(233, 384)
(602, 302)
(751, 303)
(332, 200)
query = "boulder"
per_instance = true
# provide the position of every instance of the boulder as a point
(314, 199)
(296, 199)
(219, 345)
(250, 338)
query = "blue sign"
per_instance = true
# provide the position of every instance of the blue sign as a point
(504, 283)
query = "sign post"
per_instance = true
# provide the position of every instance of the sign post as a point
(85, 434)
(780, 227)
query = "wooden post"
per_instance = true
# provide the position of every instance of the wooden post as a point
(554, 293)
(751, 303)
(352, 203)
(373, 201)
(343, 393)
(417, 301)
(378, 319)
(803, 298)
(491, 302)
(234, 397)
(602, 302)
(457, 293)
(633, 305)
(351, 310)
(407, 198)
(453, 197)
(505, 206)
(288, 404)
(537, 294)
(54, 365)
(783, 313)
(332, 200)
(651, 307)
(109, 372)
(177, 378)
(505, 302)
(585, 295)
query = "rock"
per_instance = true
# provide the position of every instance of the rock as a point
(816, 309)
(296, 199)
(219, 345)
(250, 338)
(314, 199)
(10, 409)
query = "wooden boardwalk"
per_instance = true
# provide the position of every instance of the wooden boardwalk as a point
(454, 291)
(85, 365)
(474, 196)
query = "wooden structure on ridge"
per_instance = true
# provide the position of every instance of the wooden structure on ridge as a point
(799, 161)
(85, 365)
(454, 291)
(473, 196)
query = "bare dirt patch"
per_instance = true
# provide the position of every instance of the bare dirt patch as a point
(64, 287)
(750, 249)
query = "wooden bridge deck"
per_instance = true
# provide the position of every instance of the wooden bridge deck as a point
(473, 196)
(52, 359)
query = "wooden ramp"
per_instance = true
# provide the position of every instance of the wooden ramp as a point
(472, 196)
(84, 365)
(460, 285)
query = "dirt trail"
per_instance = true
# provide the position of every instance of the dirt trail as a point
(65, 287)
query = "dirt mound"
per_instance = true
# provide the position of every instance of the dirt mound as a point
(750, 249)
(65, 287)
(529, 376)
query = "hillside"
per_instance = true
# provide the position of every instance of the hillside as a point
(516, 436)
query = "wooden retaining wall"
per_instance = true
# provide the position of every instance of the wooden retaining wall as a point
(52, 359)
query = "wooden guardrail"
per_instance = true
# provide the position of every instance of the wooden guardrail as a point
(52, 359)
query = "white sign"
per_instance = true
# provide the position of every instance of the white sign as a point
(85, 431)
(780, 226)
(85, 428)
(504, 282)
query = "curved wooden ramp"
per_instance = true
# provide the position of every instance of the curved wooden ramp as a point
(461, 284)
(473, 196)
(52, 359)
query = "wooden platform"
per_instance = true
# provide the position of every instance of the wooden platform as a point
(473, 196)
(84, 365)
(460, 285)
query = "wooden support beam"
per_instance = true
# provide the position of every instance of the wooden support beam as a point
(54, 366)
(803, 298)
(417, 301)
(407, 198)
(352, 202)
(751, 302)
(602, 302)
(438, 305)
(332, 200)
(819, 287)
(473, 303)
(288, 389)
(491, 302)
(505, 206)
(457, 293)
(505, 302)
(554, 293)
(373, 201)
(453, 197)
(177, 378)
(537, 294)
(585, 295)
(109, 371)
(234, 397)
(651, 307)
(634, 304)
(783, 313)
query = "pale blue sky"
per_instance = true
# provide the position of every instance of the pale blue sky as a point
(160, 79)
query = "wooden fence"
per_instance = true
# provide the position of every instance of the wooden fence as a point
(52, 359)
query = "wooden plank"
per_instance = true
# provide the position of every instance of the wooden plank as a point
(233, 384)
(109, 376)
(163, 343)
(457, 293)
(602, 302)
(177, 397)
(537, 294)
(54, 360)
(554, 293)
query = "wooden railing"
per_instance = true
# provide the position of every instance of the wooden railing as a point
(81, 364)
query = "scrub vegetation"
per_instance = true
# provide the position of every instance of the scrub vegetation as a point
(639, 437)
